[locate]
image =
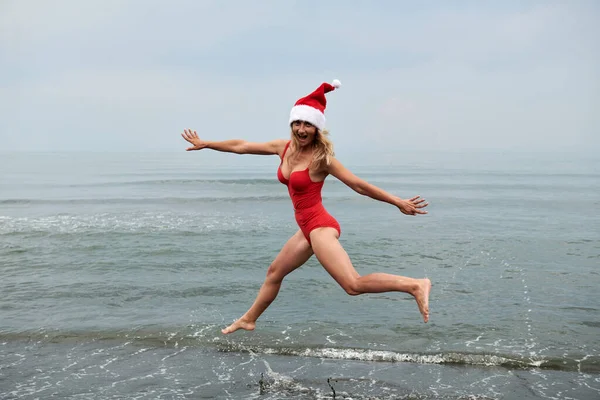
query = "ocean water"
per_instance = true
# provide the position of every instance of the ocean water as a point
(119, 270)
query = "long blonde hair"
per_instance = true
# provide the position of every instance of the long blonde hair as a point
(322, 149)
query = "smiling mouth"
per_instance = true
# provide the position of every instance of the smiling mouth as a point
(302, 137)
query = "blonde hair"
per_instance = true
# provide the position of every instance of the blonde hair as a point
(322, 149)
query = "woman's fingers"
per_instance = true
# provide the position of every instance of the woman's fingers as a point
(189, 135)
(415, 205)
(419, 202)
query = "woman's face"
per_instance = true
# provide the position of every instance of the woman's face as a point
(304, 131)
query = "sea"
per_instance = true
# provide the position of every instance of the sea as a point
(119, 270)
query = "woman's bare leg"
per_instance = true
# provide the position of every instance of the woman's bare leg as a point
(293, 254)
(335, 260)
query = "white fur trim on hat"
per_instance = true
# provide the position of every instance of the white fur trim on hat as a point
(308, 114)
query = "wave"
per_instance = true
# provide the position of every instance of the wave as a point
(151, 200)
(237, 198)
(438, 180)
(205, 337)
(133, 223)
(179, 181)
(586, 364)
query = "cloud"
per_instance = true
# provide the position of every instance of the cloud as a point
(113, 75)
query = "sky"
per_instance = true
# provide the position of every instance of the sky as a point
(127, 75)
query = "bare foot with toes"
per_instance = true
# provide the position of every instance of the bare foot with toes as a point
(422, 297)
(239, 324)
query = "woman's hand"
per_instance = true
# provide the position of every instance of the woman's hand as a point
(413, 206)
(192, 137)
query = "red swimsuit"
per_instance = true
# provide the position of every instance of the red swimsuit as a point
(306, 198)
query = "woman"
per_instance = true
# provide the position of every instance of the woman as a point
(306, 160)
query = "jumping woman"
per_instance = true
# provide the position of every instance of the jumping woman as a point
(307, 158)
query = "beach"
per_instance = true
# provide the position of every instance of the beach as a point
(120, 269)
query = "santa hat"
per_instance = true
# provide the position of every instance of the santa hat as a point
(312, 107)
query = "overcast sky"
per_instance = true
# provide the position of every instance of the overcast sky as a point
(120, 75)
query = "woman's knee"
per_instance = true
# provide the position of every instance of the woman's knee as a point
(275, 273)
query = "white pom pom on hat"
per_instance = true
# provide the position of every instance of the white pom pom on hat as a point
(311, 108)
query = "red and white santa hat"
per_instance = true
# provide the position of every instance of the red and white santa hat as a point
(312, 107)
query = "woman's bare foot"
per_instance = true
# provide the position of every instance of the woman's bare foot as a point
(422, 297)
(239, 324)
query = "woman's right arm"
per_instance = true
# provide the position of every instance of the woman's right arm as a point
(237, 146)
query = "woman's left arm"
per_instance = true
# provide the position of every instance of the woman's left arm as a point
(411, 206)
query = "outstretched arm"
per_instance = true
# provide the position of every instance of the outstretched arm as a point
(237, 146)
(411, 206)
